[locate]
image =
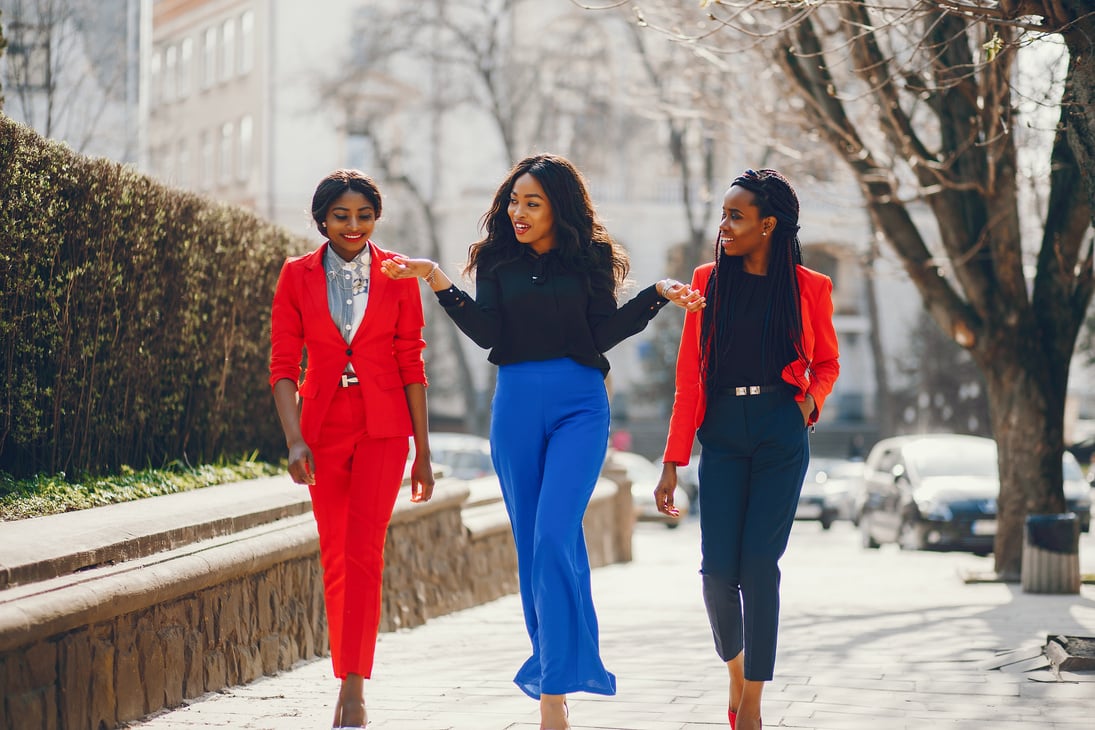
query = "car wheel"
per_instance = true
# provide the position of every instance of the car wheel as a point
(826, 522)
(866, 539)
(673, 524)
(909, 537)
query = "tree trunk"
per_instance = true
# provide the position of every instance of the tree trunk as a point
(1079, 101)
(1026, 403)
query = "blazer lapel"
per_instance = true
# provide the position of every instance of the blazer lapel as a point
(378, 284)
(315, 284)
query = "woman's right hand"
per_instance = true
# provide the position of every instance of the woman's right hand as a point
(302, 467)
(401, 267)
(663, 494)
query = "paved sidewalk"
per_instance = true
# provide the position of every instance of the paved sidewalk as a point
(878, 640)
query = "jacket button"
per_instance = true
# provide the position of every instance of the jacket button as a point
(349, 352)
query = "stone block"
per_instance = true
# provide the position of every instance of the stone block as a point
(215, 670)
(265, 604)
(128, 688)
(26, 710)
(74, 699)
(194, 672)
(173, 646)
(103, 703)
(269, 647)
(152, 663)
(41, 665)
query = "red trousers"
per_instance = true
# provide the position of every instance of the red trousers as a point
(357, 481)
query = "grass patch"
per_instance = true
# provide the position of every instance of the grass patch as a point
(48, 495)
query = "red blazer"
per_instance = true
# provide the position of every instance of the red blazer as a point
(814, 374)
(386, 350)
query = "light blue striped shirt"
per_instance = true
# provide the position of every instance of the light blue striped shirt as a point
(347, 290)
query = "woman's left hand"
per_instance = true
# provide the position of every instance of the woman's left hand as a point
(807, 407)
(421, 479)
(681, 294)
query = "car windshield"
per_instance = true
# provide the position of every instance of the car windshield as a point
(967, 458)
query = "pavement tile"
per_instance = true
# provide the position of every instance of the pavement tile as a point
(872, 639)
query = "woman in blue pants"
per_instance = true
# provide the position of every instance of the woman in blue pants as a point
(547, 274)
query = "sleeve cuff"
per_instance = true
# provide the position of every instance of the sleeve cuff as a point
(449, 297)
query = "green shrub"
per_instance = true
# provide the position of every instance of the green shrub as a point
(134, 318)
(42, 495)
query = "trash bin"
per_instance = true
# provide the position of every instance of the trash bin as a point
(1051, 554)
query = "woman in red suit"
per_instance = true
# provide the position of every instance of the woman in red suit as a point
(363, 394)
(753, 372)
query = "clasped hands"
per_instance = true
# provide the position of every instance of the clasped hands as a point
(681, 294)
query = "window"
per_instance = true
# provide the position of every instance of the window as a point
(228, 49)
(182, 166)
(209, 57)
(154, 79)
(243, 160)
(205, 164)
(186, 54)
(247, 42)
(169, 71)
(165, 164)
(224, 168)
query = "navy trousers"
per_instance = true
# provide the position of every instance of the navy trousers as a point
(549, 436)
(755, 450)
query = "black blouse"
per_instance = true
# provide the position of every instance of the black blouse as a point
(534, 309)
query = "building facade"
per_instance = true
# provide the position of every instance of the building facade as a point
(253, 101)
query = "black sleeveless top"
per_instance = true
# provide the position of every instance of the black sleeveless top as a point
(745, 311)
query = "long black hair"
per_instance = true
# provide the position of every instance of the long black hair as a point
(582, 242)
(782, 332)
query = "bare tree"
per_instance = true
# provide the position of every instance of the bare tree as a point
(378, 107)
(922, 100)
(66, 70)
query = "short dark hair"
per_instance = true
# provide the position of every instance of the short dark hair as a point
(337, 183)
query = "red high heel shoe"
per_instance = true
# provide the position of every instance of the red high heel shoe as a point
(733, 718)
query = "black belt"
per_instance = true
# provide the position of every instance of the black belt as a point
(348, 380)
(754, 389)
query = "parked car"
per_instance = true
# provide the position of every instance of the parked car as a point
(829, 490)
(459, 455)
(939, 492)
(644, 475)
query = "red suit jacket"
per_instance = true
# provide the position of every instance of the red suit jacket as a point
(386, 351)
(814, 373)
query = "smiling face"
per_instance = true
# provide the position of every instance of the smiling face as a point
(349, 223)
(742, 232)
(531, 214)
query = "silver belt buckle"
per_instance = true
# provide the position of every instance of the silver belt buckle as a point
(741, 390)
(754, 390)
(348, 379)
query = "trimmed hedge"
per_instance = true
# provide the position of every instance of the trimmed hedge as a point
(134, 318)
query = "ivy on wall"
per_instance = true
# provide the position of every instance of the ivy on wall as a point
(134, 318)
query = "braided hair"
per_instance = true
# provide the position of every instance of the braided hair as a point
(583, 244)
(782, 332)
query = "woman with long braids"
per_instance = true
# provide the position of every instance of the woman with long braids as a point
(753, 371)
(547, 273)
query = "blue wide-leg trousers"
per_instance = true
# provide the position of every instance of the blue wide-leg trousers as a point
(549, 436)
(755, 450)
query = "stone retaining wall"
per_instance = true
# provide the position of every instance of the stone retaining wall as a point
(94, 649)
